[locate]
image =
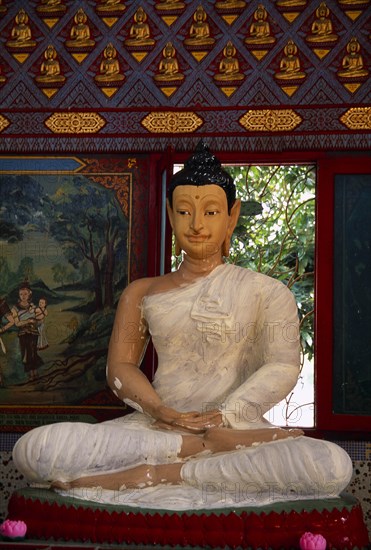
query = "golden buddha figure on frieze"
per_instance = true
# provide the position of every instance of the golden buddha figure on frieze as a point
(169, 66)
(21, 35)
(353, 2)
(260, 32)
(199, 32)
(322, 28)
(165, 5)
(106, 6)
(229, 67)
(140, 34)
(291, 3)
(230, 5)
(352, 63)
(290, 67)
(80, 34)
(50, 70)
(109, 70)
(51, 7)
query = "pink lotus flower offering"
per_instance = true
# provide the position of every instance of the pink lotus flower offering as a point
(13, 529)
(310, 541)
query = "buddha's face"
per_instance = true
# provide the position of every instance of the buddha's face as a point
(200, 220)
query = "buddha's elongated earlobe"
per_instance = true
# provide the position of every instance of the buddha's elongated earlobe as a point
(178, 250)
(226, 246)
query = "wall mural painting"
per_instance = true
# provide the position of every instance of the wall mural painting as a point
(65, 257)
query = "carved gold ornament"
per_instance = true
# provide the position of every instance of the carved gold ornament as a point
(357, 118)
(75, 123)
(264, 120)
(171, 122)
(4, 122)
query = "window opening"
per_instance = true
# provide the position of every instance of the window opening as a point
(275, 235)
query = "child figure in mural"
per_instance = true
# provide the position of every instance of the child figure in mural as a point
(227, 340)
(25, 320)
(41, 313)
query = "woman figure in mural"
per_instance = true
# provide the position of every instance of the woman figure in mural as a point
(228, 348)
(322, 30)
(4, 312)
(199, 33)
(140, 34)
(290, 64)
(24, 318)
(110, 66)
(352, 64)
(229, 67)
(21, 36)
(80, 32)
(260, 32)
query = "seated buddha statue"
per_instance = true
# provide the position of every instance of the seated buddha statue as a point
(322, 30)
(21, 36)
(259, 32)
(229, 67)
(80, 32)
(109, 70)
(140, 34)
(199, 32)
(228, 347)
(50, 70)
(290, 64)
(352, 63)
(168, 67)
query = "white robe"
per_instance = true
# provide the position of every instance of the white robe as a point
(229, 341)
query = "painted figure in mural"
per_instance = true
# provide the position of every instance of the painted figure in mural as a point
(228, 347)
(50, 70)
(290, 64)
(352, 64)
(199, 33)
(109, 67)
(25, 321)
(169, 67)
(169, 5)
(21, 35)
(229, 67)
(260, 32)
(110, 5)
(41, 312)
(50, 6)
(4, 312)
(140, 34)
(80, 31)
(322, 30)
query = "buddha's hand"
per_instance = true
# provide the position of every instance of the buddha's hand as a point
(192, 421)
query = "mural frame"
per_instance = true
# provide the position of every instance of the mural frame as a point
(118, 187)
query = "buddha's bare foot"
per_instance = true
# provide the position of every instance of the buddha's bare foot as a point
(146, 475)
(138, 477)
(226, 439)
